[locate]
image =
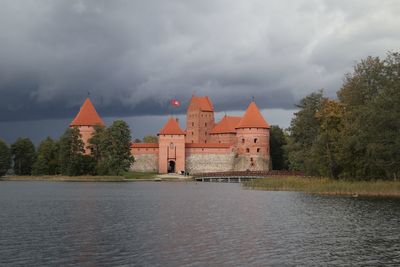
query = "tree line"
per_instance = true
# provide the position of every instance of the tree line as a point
(356, 136)
(110, 153)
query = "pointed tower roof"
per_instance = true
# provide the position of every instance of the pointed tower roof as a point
(201, 102)
(226, 125)
(253, 118)
(87, 115)
(171, 127)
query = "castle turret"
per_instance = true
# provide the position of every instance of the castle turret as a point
(171, 148)
(199, 120)
(86, 119)
(252, 135)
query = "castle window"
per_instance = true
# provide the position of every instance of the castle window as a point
(255, 140)
(258, 150)
(192, 123)
(205, 124)
(251, 159)
(243, 141)
(247, 150)
(192, 133)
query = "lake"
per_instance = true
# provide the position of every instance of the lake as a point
(190, 224)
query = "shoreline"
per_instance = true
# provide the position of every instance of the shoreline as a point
(120, 179)
(327, 186)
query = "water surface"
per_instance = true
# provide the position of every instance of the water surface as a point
(190, 224)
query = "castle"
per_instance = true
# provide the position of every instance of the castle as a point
(232, 144)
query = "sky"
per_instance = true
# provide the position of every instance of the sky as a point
(133, 57)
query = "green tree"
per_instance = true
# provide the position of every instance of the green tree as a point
(71, 152)
(277, 141)
(370, 142)
(303, 133)
(5, 158)
(150, 139)
(326, 146)
(23, 155)
(113, 148)
(47, 158)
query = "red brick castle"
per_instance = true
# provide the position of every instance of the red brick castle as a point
(233, 144)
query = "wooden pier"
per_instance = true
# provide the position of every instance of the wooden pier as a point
(240, 176)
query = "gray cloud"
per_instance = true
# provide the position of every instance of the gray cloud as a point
(133, 56)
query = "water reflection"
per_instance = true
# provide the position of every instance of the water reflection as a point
(189, 224)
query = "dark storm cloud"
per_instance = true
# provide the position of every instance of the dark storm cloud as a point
(133, 56)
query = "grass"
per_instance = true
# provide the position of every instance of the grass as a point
(327, 186)
(139, 175)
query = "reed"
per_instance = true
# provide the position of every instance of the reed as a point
(327, 186)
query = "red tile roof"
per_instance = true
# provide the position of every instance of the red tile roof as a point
(171, 127)
(226, 125)
(201, 102)
(87, 116)
(144, 145)
(207, 145)
(252, 118)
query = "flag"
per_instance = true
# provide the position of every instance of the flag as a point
(175, 103)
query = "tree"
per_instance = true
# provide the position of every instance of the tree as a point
(5, 158)
(23, 155)
(150, 139)
(71, 152)
(47, 158)
(277, 143)
(326, 146)
(303, 133)
(370, 142)
(113, 148)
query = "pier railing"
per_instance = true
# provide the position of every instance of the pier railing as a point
(249, 173)
(241, 175)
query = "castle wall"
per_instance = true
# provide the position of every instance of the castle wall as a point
(145, 163)
(146, 157)
(208, 159)
(223, 138)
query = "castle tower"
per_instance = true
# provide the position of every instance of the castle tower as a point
(252, 135)
(171, 148)
(199, 120)
(85, 120)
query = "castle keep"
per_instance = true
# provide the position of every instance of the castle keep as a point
(232, 144)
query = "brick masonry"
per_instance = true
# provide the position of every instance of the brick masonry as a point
(145, 163)
(197, 163)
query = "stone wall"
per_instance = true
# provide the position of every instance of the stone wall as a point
(244, 163)
(199, 163)
(145, 163)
